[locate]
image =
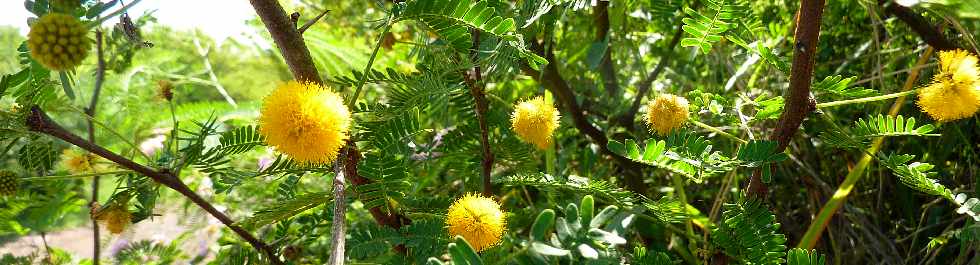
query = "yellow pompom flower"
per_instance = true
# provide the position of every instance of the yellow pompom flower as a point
(534, 121)
(478, 219)
(8, 183)
(115, 219)
(58, 41)
(666, 113)
(305, 121)
(77, 161)
(955, 90)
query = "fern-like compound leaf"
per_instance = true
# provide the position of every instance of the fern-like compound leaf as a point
(864, 130)
(749, 232)
(799, 256)
(286, 209)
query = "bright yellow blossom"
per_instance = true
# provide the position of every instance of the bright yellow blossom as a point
(115, 218)
(666, 113)
(477, 219)
(78, 161)
(955, 90)
(305, 121)
(534, 121)
(58, 41)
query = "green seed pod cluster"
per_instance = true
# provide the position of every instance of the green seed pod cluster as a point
(64, 6)
(58, 41)
(8, 183)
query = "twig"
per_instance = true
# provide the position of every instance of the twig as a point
(338, 229)
(473, 81)
(929, 33)
(607, 70)
(38, 121)
(552, 80)
(122, 10)
(644, 87)
(90, 111)
(288, 39)
(75, 176)
(312, 21)
(214, 78)
(719, 132)
(374, 55)
(798, 101)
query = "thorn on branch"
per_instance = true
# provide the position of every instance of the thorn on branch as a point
(294, 17)
(312, 21)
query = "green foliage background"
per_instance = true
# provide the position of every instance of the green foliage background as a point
(664, 199)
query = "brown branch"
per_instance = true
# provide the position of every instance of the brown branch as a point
(607, 70)
(644, 87)
(798, 102)
(90, 111)
(288, 39)
(929, 33)
(473, 80)
(38, 121)
(552, 80)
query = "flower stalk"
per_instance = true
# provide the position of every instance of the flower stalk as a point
(867, 99)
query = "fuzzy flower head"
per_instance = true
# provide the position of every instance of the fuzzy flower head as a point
(955, 90)
(58, 41)
(534, 121)
(8, 183)
(165, 90)
(666, 113)
(78, 161)
(305, 121)
(478, 219)
(116, 218)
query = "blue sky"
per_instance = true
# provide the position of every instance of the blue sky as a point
(221, 19)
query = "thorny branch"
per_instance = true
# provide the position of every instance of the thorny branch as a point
(798, 101)
(473, 81)
(38, 121)
(929, 33)
(90, 111)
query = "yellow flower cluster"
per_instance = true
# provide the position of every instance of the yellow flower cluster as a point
(477, 219)
(78, 162)
(116, 220)
(955, 90)
(305, 121)
(8, 183)
(666, 113)
(58, 41)
(534, 121)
